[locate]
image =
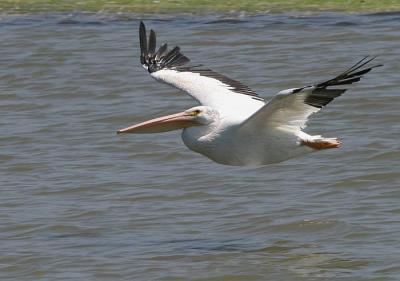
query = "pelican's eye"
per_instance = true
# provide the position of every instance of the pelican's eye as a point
(195, 112)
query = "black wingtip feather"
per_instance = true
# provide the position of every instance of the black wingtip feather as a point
(152, 42)
(143, 43)
(322, 95)
(161, 51)
(161, 59)
(354, 71)
(173, 55)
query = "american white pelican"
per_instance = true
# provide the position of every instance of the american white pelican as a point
(233, 125)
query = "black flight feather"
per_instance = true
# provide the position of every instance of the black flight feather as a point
(152, 43)
(322, 95)
(143, 43)
(162, 59)
(161, 51)
(351, 72)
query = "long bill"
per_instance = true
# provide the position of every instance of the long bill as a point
(162, 124)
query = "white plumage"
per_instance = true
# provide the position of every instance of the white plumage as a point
(233, 125)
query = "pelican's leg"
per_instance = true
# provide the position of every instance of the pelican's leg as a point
(322, 143)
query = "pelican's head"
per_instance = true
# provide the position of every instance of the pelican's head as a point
(195, 116)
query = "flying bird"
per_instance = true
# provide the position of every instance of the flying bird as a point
(233, 125)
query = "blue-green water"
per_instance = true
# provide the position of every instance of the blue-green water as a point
(78, 202)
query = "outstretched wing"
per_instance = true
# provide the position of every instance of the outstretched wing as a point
(290, 109)
(206, 86)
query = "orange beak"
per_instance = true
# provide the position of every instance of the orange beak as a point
(162, 124)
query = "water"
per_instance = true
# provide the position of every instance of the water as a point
(79, 202)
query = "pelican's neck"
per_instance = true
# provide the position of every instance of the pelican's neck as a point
(199, 132)
(198, 138)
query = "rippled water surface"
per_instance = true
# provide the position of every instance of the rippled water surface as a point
(79, 202)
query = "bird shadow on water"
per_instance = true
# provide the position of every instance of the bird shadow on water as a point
(303, 260)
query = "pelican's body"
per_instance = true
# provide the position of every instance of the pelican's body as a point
(225, 142)
(225, 146)
(233, 125)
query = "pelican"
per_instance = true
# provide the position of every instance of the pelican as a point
(233, 125)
